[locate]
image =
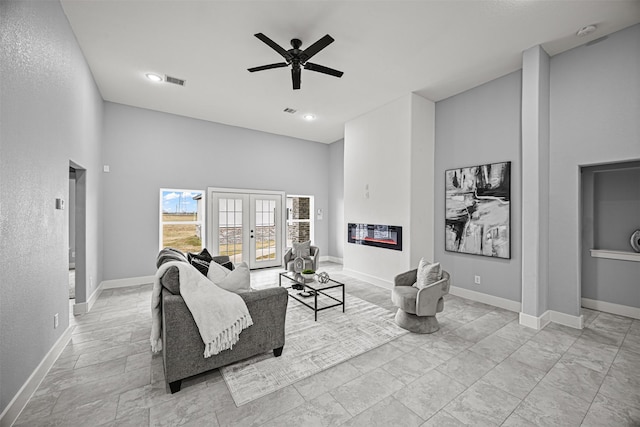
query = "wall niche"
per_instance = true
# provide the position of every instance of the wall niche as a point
(610, 214)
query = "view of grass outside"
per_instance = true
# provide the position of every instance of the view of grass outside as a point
(181, 225)
(181, 236)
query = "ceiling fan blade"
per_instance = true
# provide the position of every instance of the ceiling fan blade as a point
(268, 67)
(275, 46)
(315, 48)
(295, 77)
(322, 69)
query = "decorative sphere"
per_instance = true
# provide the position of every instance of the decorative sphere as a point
(323, 277)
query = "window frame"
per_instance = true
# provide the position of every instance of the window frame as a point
(200, 213)
(290, 221)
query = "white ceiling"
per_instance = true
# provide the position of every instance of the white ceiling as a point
(386, 49)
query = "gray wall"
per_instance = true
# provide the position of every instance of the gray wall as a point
(148, 150)
(337, 230)
(610, 213)
(595, 106)
(51, 113)
(481, 125)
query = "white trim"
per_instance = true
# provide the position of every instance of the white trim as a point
(619, 255)
(609, 307)
(576, 322)
(84, 307)
(507, 304)
(534, 322)
(370, 279)
(125, 283)
(20, 400)
(549, 316)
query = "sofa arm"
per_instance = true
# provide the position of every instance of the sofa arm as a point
(406, 279)
(428, 297)
(288, 256)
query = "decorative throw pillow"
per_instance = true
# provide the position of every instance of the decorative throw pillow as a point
(217, 272)
(228, 265)
(428, 274)
(238, 280)
(302, 249)
(201, 260)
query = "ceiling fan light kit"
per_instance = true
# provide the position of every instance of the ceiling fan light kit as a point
(298, 58)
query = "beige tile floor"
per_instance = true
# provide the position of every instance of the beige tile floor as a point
(480, 369)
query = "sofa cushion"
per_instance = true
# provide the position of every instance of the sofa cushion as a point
(302, 249)
(170, 254)
(201, 260)
(217, 272)
(427, 274)
(404, 297)
(238, 280)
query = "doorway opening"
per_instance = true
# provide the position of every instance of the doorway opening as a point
(77, 233)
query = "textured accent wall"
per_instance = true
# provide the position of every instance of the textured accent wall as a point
(51, 114)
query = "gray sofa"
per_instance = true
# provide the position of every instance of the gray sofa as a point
(182, 345)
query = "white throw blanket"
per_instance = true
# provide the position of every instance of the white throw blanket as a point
(219, 314)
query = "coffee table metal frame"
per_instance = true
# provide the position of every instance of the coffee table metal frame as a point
(317, 288)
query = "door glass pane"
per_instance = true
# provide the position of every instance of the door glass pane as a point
(230, 228)
(265, 232)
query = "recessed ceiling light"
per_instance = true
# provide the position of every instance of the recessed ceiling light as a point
(154, 77)
(586, 30)
(309, 117)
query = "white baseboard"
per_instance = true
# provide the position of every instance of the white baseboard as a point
(20, 400)
(507, 304)
(534, 322)
(549, 316)
(576, 322)
(84, 307)
(130, 281)
(609, 307)
(370, 279)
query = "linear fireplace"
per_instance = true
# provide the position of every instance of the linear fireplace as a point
(381, 236)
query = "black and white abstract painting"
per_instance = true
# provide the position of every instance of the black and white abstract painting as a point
(477, 210)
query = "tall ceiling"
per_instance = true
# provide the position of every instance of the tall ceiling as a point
(386, 49)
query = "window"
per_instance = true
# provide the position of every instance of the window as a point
(299, 219)
(182, 219)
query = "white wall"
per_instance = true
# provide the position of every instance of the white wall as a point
(51, 113)
(595, 106)
(148, 150)
(335, 215)
(378, 154)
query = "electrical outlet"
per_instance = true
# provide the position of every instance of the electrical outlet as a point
(476, 279)
(55, 321)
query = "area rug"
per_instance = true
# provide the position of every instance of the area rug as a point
(311, 347)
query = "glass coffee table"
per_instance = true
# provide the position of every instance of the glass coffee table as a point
(315, 289)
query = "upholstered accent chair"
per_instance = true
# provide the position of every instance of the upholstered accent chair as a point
(417, 308)
(310, 259)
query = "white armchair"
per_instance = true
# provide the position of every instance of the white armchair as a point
(310, 262)
(417, 308)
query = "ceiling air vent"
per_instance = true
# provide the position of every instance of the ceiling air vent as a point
(174, 80)
(289, 110)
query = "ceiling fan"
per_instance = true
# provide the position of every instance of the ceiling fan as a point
(298, 58)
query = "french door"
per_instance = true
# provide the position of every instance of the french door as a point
(247, 226)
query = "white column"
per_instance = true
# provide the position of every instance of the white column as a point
(535, 187)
